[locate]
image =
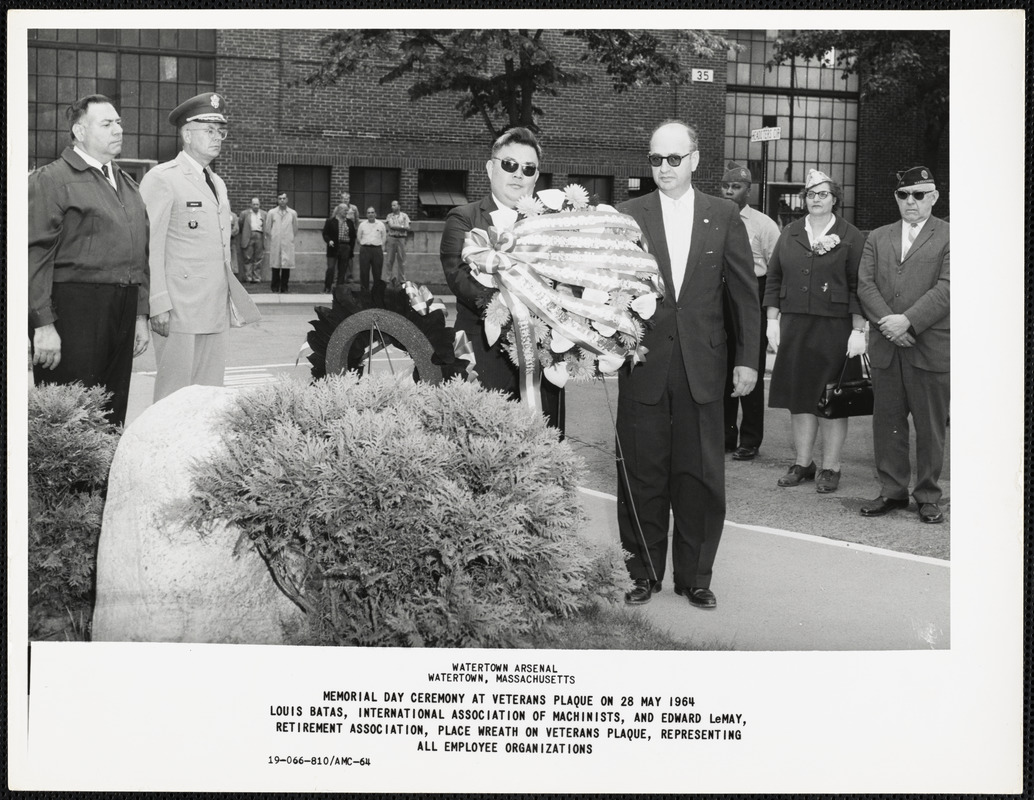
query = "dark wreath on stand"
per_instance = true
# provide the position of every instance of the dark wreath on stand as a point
(345, 335)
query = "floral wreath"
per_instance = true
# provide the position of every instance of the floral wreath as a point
(574, 287)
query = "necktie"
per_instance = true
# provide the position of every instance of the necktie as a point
(208, 180)
(107, 177)
(911, 237)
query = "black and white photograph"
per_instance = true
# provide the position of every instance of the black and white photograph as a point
(500, 408)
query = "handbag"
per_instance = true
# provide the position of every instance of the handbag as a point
(848, 398)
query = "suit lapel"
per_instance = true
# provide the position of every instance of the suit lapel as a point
(924, 236)
(701, 233)
(484, 215)
(652, 223)
(895, 241)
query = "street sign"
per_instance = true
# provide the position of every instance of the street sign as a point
(766, 134)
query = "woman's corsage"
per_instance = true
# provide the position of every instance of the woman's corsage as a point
(824, 244)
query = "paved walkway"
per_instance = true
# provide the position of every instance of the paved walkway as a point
(779, 590)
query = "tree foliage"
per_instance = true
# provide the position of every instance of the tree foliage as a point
(498, 74)
(909, 64)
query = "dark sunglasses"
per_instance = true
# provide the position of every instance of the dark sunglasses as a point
(905, 195)
(509, 165)
(673, 160)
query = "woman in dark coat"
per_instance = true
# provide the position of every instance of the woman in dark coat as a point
(814, 322)
(339, 234)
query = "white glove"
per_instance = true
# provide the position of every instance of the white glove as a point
(856, 344)
(772, 331)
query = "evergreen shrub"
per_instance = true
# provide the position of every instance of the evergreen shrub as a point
(70, 448)
(404, 514)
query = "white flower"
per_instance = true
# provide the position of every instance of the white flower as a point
(553, 198)
(824, 244)
(529, 206)
(557, 374)
(560, 344)
(576, 195)
(645, 305)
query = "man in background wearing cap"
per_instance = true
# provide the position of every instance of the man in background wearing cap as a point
(903, 283)
(763, 234)
(194, 292)
(88, 261)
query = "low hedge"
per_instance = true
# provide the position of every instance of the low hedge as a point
(70, 447)
(400, 513)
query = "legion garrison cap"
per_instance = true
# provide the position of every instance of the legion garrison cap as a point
(735, 172)
(915, 177)
(815, 177)
(207, 107)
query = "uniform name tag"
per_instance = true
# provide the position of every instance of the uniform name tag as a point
(193, 204)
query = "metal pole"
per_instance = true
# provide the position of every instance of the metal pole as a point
(764, 177)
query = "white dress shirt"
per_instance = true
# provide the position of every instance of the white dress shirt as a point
(504, 217)
(678, 230)
(93, 162)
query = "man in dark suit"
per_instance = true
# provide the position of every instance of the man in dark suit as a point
(512, 171)
(670, 408)
(903, 286)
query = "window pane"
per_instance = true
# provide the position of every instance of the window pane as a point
(206, 70)
(167, 39)
(167, 96)
(129, 92)
(130, 38)
(66, 62)
(206, 41)
(106, 63)
(46, 61)
(167, 68)
(149, 38)
(149, 68)
(130, 144)
(46, 90)
(66, 90)
(188, 70)
(85, 87)
(107, 36)
(188, 40)
(87, 37)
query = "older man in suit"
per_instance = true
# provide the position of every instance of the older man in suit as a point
(194, 294)
(903, 286)
(252, 231)
(670, 408)
(512, 171)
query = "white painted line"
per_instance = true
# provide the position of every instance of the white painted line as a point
(807, 537)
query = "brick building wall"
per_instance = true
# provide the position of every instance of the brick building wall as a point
(276, 119)
(891, 139)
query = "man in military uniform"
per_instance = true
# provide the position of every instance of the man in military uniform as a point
(195, 296)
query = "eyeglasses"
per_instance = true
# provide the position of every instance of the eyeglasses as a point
(214, 133)
(901, 195)
(817, 195)
(509, 165)
(673, 160)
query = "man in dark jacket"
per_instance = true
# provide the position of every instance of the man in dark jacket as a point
(88, 270)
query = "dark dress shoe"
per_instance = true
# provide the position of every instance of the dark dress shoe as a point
(881, 505)
(930, 512)
(643, 591)
(701, 598)
(797, 475)
(745, 454)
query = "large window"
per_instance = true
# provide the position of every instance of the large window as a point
(373, 186)
(308, 189)
(815, 108)
(599, 187)
(146, 73)
(439, 191)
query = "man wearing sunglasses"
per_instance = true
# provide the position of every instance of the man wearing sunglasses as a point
(512, 171)
(193, 288)
(670, 408)
(903, 286)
